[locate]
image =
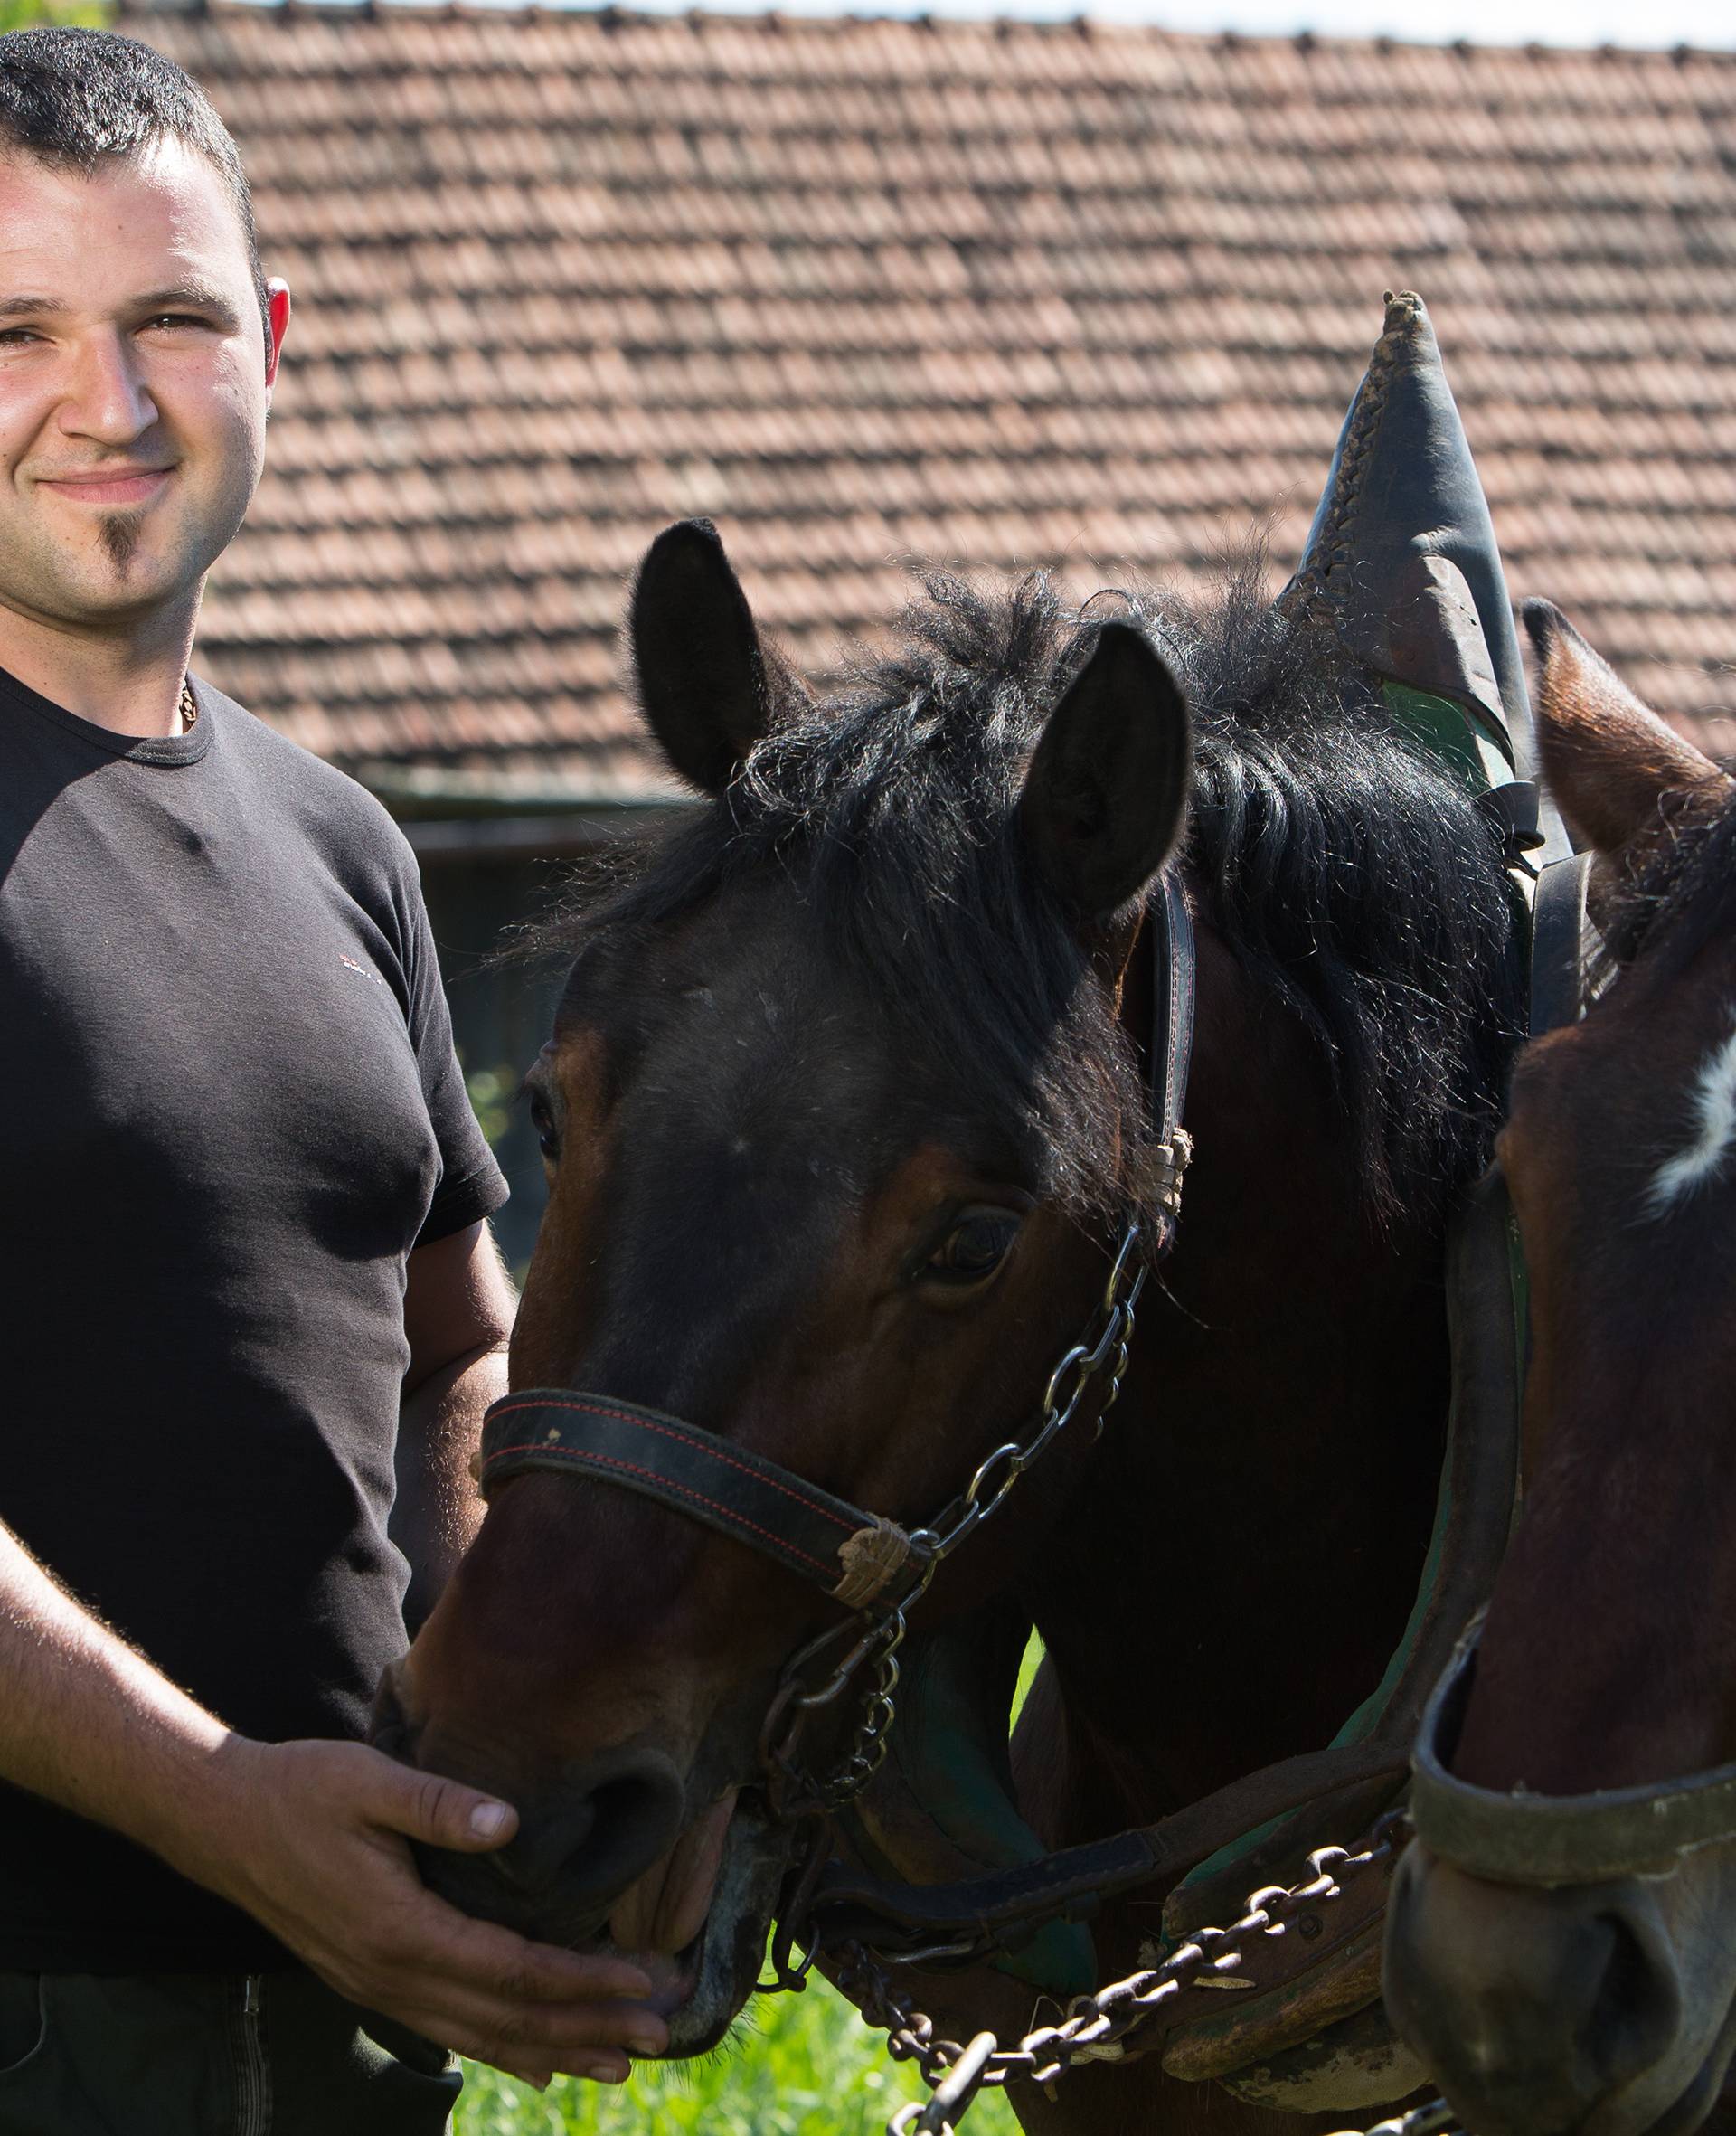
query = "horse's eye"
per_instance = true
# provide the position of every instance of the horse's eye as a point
(974, 1247)
(548, 1140)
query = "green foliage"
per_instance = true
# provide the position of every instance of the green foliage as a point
(492, 1090)
(18, 15)
(797, 2065)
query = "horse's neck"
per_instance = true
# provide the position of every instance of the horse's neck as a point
(1241, 1563)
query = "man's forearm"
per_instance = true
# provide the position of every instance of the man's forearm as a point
(437, 1511)
(92, 1725)
(310, 1837)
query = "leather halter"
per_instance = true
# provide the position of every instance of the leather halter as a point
(855, 1557)
(1556, 1840)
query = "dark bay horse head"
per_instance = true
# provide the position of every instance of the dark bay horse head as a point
(840, 1124)
(844, 1116)
(1602, 1999)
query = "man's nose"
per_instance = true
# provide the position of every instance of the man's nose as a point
(108, 399)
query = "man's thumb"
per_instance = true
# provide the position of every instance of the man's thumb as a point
(442, 1812)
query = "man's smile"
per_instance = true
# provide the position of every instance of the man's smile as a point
(108, 486)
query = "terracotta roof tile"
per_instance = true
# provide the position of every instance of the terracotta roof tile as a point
(871, 291)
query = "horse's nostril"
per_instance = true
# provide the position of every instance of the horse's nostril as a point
(592, 1844)
(1636, 2012)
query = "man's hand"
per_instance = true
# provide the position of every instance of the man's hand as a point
(313, 1840)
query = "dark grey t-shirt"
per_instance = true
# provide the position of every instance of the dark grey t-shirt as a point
(229, 1109)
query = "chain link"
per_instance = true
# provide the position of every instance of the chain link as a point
(1102, 1351)
(1436, 2119)
(1099, 2027)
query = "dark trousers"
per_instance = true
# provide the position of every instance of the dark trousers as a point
(210, 2054)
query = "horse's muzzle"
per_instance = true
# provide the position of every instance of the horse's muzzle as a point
(580, 1843)
(1540, 2012)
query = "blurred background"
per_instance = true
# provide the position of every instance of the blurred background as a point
(972, 285)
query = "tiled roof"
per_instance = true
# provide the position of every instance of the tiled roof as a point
(871, 290)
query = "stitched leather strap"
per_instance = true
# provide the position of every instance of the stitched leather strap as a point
(692, 1470)
(1175, 958)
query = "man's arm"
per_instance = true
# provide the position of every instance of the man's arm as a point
(459, 1308)
(311, 1838)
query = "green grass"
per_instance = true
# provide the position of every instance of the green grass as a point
(797, 2065)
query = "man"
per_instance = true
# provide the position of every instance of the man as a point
(248, 1209)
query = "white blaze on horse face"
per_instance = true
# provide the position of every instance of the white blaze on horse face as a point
(1714, 1110)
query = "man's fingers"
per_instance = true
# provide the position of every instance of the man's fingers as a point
(535, 2043)
(482, 1955)
(439, 1811)
(602, 2070)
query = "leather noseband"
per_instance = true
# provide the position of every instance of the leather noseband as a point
(1555, 1839)
(805, 1529)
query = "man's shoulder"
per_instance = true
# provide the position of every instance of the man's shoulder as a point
(343, 816)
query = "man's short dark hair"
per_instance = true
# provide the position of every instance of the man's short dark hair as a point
(85, 97)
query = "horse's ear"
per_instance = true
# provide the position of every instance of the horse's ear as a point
(706, 685)
(1608, 759)
(1106, 796)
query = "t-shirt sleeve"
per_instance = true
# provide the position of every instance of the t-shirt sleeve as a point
(472, 1185)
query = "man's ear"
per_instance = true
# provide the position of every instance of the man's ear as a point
(707, 685)
(276, 324)
(1608, 759)
(1106, 796)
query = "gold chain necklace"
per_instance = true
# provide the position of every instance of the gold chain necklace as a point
(189, 707)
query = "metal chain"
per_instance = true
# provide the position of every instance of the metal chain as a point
(1103, 1349)
(1097, 2026)
(1436, 2119)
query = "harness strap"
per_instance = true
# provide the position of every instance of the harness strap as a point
(1555, 1839)
(1071, 1884)
(1558, 931)
(715, 1481)
(1175, 969)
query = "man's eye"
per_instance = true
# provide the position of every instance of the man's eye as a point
(174, 319)
(974, 1247)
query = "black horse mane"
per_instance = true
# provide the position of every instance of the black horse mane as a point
(1681, 892)
(1355, 879)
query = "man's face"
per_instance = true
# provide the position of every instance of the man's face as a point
(133, 384)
